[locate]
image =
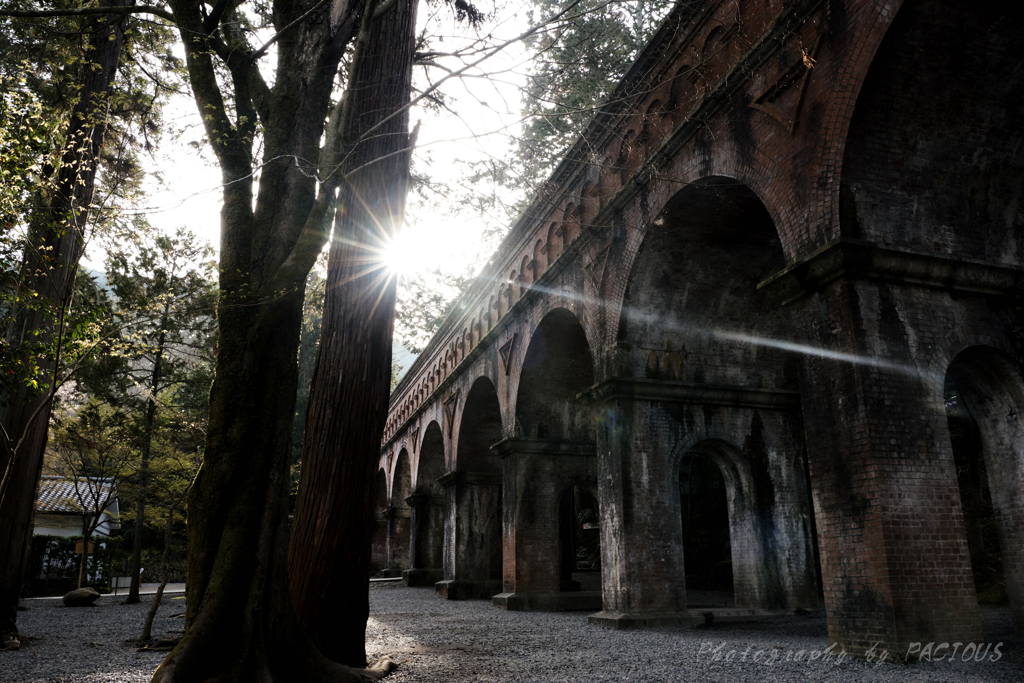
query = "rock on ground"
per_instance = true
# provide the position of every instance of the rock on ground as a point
(81, 597)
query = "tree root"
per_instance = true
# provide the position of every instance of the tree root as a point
(12, 641)
(379, 670)
(159, 645)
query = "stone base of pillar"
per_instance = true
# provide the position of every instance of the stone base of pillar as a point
(415, 578)
(467, 590)
(389, 573)
(548, 602)
(695, 617)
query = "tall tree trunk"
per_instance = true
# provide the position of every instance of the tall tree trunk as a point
(240, 625)
(330, 545)
(56, 243)
(147, 444)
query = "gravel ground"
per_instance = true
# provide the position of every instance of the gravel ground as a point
(471, 641)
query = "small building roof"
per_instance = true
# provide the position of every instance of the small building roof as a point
(58, 494)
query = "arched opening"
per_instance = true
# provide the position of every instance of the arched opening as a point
(426, 544)
(579, 540)
(473, 550)
(984, 397)
(480, 429)
(558, 365)
(550, 475)
(399, 515)
(379, 543)
(931, 160)
(730, 527)
(707, 550)
(693, 311)
(699, 352)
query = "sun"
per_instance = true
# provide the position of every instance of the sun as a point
(414, 249)
(399, 255)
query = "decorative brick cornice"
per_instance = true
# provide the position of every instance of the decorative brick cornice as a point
(858, 259)
(618, 388)
(507, 447)
(449, 479)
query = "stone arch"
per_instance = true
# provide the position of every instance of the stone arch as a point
(399, 514)
(987, 386)
(691, 310)
(401, 481)
(379, 542)
(554, 242)
(627, 158)
(755, 576)
(556, 366)
(949, 176)
(479, 427)
(430, 465)
(571, 223)
(539, 263)
(550, 451)
(524, 267)
(650, 130)
(682, 90)
(426, 543)
(472, 537)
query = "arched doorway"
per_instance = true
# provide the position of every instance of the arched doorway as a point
(427, 503)
(379, 543)
(580, 540)
(550, 475)
(702, 350)
(732, 554)
(707, 551)
(984, 397)
(399, 516)
(472, 545)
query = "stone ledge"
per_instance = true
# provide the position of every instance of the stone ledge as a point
(691, 617)
(507, 447)
(458, 589)
(667, 391)
(548, 602)
(858, 259)
(422, 577)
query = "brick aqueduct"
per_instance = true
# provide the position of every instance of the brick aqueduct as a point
(792, 239)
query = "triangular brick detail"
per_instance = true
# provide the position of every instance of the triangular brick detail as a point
(505, 352)
(449, 411)
(799, 71)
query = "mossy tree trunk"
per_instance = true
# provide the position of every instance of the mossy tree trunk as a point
(55, 244)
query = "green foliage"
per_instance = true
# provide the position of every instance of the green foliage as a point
(576, 66)
(309, 340)
(424, 301)
(61, 96)
(577, 61)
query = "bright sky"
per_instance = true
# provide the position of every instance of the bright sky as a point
(184, 186)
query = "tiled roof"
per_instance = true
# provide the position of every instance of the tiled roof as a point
(57, 494)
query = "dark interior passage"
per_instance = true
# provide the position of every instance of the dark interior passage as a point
(707, 551)
(580, 541)
(975, 499)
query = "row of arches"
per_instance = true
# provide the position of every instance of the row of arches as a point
(885, 392)
(652, 119)
(508, 505)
